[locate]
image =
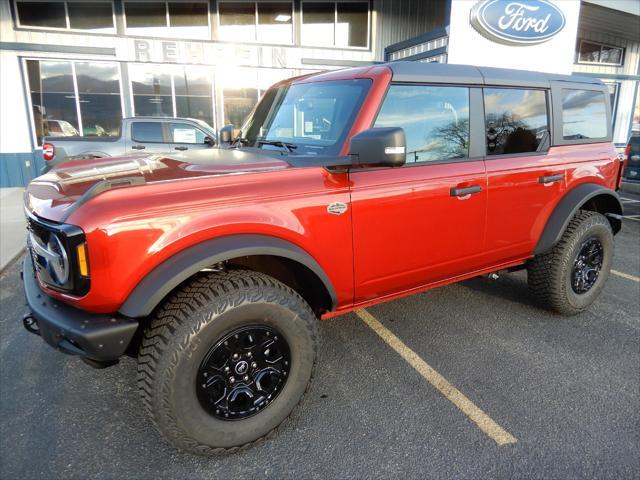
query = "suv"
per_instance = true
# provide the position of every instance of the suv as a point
(632, 155)
(343, 190)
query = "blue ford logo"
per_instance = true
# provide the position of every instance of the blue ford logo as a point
(523, 22)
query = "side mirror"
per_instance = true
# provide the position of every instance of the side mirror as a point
(378, 147)
(226, 134)
(209, 141)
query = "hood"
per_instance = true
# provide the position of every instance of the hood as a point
(53, 195)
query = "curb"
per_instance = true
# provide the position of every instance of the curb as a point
(13, 260)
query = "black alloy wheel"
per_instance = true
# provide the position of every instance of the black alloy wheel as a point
(587, 265)
(243, 372)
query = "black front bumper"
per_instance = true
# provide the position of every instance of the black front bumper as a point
(95, 337)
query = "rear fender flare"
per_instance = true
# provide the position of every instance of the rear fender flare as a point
(569, 206)
(158, 283)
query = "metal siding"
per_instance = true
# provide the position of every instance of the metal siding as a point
(400, 20)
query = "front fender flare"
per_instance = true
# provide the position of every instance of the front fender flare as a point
(158, 283)
(568, 207)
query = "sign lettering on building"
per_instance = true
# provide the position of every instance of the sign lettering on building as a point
(513, 22)
(211, 53)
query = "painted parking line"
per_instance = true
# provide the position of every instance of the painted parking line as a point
(626, 275)
(451, 393)
(629, 200)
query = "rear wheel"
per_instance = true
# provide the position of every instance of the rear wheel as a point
(570, 277)
(226, 360)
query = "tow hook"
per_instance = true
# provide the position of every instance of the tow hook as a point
(493, 276)
(31, 324)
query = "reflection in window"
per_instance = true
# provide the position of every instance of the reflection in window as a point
(269, 22)
(342, 24)
(168, 19)
(584, 114)
(151, 87)
(435, 120)
(52, 98)
(515, 120)
(94, 16)
(100, 106)
(238, 103)
(192, 87)
(592, 52)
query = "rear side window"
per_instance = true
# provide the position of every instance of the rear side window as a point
(147, 132)
(435, 120)
(584, 114)
(516, 120)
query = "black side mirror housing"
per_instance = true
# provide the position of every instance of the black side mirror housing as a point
(209, 141)
(226, 134)
(378, 147)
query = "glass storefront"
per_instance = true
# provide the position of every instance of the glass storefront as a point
(74, 98)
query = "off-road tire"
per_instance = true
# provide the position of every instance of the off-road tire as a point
(549, 275)
(195, 317)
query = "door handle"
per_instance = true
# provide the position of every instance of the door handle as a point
(461, 192)
(551, 178)
(138, 147)
(182, 148)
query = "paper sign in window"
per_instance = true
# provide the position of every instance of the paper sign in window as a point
(184, 135)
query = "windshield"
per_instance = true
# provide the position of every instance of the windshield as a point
(314, 118)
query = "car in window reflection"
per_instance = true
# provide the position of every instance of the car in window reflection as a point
(135, 135)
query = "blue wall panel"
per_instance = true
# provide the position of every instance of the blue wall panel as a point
(14, 171)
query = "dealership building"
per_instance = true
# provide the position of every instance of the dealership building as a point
(78, 67)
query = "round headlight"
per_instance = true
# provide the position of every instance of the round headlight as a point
(58, 263)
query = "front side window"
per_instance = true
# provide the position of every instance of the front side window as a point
(435, 120)
(314, 117)
(96, 17)
(147, 132)
(185, 133)
(339, 24)
(516, 120)
(584, 114)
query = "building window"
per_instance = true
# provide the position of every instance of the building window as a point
(179, 92)
(74, 98)
(584, 114)
(435, 120)
(270, 22)
(335, 24)
(168, 19)
(516, 120)
(592, 52)
(96, 17)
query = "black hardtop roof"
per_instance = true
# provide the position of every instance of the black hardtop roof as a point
(468, 74)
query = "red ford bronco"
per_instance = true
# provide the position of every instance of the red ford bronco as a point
(343, 189)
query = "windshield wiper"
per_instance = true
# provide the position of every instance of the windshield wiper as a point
(238, 142)
(290, 147)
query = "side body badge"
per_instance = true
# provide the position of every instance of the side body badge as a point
(337, 208)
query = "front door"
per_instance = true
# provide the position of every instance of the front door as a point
(425, 221)
(147, 136)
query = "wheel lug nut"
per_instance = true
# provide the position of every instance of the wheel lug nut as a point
(231, 379)
(246, 377)
(226, 369)
(254, 364)
(249, 354)
(236, 356)
(205, 374)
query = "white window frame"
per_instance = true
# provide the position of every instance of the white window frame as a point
(257, 22)
(172, 74)
(167, 20)
(335, 21)
(583, 62)
(112, 30)
(76, 94)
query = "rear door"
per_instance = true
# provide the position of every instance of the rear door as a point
(525, 177)
(186, 136)
(425, 221)
(147, 136)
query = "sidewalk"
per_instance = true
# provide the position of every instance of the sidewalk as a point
(12, 225)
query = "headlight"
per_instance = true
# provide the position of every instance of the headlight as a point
(60, 255)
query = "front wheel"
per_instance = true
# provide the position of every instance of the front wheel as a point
(570, 277)
(226, 360)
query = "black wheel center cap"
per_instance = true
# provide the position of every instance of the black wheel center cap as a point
(242, 367)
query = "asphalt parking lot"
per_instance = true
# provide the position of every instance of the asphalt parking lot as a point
(567, 390)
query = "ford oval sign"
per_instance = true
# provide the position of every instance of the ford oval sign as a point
(523, 22)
